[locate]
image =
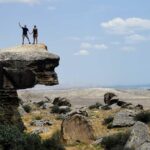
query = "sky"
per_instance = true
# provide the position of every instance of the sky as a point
(100, 42)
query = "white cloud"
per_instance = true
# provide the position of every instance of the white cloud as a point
(135, 38)
(82, 53)
(126, 26)
(21, 1)
(86, 45)
(100, 46)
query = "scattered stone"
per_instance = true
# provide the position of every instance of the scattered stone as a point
(139, 106)
(124, 118)
(59, 101)
(139, 135)
(40, 123)
(77, 128)
(122, 103)
(46, 106)
(106, 107)
(40, 130)
(79, 112)
(95, 106)
(64, 109)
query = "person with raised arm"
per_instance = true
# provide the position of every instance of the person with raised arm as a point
(25, 31)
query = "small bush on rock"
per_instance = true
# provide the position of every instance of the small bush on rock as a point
(108, 120)
(55, 109)
(54, 143)
(116, 141)
(143, 117)
(27, 108)
(95, 106)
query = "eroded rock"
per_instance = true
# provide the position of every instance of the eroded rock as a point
(20, 68)
(77, 128)
(62, 101)
(139, 136)
(124, 118)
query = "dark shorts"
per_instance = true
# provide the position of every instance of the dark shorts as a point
(35, 35)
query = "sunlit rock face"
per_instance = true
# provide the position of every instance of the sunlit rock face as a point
(23, 67)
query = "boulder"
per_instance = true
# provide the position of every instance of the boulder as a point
(139, 136)
(77, 128)
(124, 118)
(23, 67)
(110, 96)
(64, 109)
(145, 146)
(61, 101)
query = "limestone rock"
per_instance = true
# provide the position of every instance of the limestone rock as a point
(145, 146)
(20, 68)
(139, 136)
(77, 128)
(40, 123)
(59, 101)
(110, 96)
(40, 130)
(124, 118)
(28, 65)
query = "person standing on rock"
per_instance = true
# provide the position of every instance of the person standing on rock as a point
(25, 31)
(35, 35)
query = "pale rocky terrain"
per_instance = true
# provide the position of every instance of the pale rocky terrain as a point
(87, 96)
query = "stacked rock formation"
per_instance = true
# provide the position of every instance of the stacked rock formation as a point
(20, 68)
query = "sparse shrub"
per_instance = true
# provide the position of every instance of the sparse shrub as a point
(37, 117)
(11, 138)
(116, 141)
(108, 120)
(54, 143)
(55, 109)
(95, 106)
(27, 108)
(143, 117)
(32, 142)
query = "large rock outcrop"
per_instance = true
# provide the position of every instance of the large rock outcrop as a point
(20, 68)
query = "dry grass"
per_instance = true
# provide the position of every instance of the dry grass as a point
(44, 115)
(95, 116)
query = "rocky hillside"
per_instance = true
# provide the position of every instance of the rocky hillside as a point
(20, 68)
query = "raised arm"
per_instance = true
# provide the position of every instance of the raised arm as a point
(20, 25)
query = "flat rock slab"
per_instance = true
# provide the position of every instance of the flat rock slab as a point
(145, 146)
(124, 118)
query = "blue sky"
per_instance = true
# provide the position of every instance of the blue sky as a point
(100, 42)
